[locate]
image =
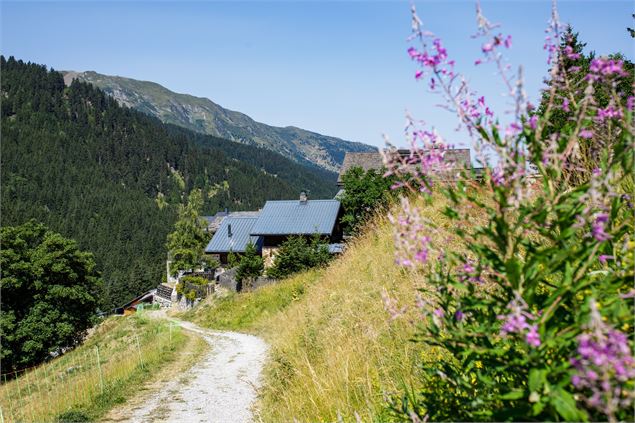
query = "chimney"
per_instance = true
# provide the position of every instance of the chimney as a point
(303, 198)
(229, 230)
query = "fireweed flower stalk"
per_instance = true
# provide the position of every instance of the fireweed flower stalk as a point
(544, 240)
(604, 367)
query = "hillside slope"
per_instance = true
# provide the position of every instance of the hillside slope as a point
(119, 359)
(334, 349)
(111, 177)
(203, 115)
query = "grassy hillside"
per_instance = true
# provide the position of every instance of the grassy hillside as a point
(78, 387)
(204, 116)
(335, 351)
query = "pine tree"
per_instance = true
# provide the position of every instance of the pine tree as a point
(185, 245)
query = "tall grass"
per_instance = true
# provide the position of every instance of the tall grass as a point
(86, 382)
(250, 311)
(335, 353)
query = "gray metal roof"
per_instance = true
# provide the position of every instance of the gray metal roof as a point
(240, 235)
(296, 218)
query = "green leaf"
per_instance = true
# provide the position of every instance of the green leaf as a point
(514, 395)
(537, 378)
(565, 405)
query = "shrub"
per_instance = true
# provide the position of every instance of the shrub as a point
(297, 254)
(251, 264)
(365, 193)
(533, 318)
(50, 294)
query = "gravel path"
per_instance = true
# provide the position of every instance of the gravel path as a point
(221, 387)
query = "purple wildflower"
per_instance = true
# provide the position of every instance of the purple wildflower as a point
(516, 322)
(607, 66)
(532, 337)
(609, 112)
(459, 315)
(604, 365)
(533, 122)
(586, 134)
(565, 105)
(598, 227)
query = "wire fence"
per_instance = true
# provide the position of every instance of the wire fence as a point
(80, 377)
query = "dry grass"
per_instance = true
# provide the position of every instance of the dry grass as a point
(336, 352)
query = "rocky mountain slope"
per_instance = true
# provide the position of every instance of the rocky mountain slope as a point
(203, 115)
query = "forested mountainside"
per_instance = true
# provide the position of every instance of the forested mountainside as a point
(111, 177)
(203, 115)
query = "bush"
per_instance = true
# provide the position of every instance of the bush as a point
(533, 318)
(251, 264)
(74, 416)
(50, 294)
(365, 193)
(297, 254)
(195, 280)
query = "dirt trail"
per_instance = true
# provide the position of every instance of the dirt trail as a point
(220, 387)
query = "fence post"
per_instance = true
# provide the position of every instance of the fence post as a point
(47, 377)
(17, 380)
(139, 350)
(28, 388)
(101, 376)
(170, 326)
(8, 396)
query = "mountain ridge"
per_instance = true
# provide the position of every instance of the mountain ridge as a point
(203, 115)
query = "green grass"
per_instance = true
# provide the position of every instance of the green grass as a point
(70, 387)
(248, 311)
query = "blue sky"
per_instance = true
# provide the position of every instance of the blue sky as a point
(339, 67)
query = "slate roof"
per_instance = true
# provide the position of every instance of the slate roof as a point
(364, 160)
(297, 218)
(373, 160)
(241, 225)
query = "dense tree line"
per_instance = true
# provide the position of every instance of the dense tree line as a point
(111, 177)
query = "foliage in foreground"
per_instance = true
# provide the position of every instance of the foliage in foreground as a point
(537, 315)
(297, 254)
(50, 294)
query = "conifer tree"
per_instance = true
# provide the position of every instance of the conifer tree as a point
(185, 244)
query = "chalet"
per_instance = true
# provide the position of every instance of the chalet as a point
(460, 157)
(279, 220)
(233, 236)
